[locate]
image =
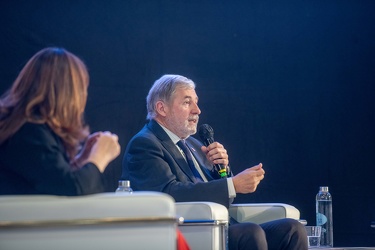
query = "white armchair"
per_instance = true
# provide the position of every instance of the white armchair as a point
(205, 224)
(142, 220)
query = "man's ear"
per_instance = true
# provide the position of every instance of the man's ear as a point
(161, 108)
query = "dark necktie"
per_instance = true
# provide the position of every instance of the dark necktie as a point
(189, 158)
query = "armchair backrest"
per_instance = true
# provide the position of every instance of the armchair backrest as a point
(142, 220)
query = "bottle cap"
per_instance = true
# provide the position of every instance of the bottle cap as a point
(324, 189)
(124, 183)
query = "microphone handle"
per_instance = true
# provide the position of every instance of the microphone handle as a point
(220, 168)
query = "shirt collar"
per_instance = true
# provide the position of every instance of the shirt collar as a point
(171, 135)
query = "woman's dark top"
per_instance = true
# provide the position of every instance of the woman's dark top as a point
(34, 161)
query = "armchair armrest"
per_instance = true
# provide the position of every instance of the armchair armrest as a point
(204, 224)
(262, 212)
(200, 211)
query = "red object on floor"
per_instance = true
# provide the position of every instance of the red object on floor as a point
(181, 242)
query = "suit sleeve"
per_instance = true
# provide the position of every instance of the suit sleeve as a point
(150, 166)
(38, 157)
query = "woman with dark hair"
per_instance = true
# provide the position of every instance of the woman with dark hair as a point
(45, 146)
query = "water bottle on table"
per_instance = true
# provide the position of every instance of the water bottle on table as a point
(324, 216)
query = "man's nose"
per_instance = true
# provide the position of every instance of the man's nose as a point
(196, 109)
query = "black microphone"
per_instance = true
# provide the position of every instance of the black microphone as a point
(206, 133)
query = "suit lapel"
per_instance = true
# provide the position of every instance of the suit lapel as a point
(171, 148)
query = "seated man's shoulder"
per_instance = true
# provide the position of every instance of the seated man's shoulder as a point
(144, 139)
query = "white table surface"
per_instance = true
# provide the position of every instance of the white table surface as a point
(343, 248)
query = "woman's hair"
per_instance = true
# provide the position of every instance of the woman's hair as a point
(51, 89)
(163, 90)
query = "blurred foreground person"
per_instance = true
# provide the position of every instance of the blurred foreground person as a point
(45, 146)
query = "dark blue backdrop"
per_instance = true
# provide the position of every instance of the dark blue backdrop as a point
(290, 84)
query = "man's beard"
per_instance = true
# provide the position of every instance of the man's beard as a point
(183, 129)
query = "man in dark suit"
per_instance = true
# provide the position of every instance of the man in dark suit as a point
(163, 157)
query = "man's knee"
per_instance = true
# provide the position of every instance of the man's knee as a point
(246, 236)
(297, 234)
(295, 226)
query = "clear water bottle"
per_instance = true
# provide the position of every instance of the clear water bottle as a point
(324, 216)
(124, 187)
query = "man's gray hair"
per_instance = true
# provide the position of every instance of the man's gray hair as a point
(163, 90)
